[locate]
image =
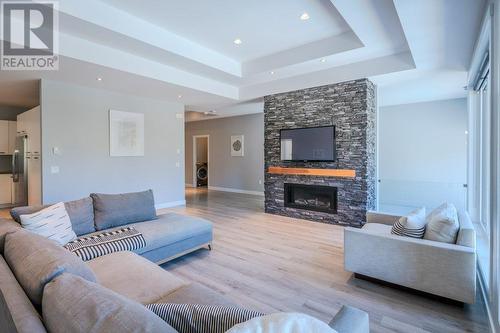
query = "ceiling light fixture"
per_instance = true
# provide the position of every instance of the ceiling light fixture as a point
(305, 16)
(237, 41)
(99, 79)
(322, 60)
(271, 72)
(179, 96)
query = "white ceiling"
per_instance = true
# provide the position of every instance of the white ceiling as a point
(163, 49)
(215, 24)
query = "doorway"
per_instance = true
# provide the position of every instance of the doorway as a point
(201, 160)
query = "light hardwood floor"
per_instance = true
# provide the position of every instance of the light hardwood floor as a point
(272, 263)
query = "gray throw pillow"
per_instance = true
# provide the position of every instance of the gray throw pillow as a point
(16, 212)
(72, 304)
(197, 318)
(442, 224)
(114, 210)
(80, 212)
(36, 260)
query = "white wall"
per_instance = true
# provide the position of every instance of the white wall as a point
(76, 120)
(225, 171)
(423, 154)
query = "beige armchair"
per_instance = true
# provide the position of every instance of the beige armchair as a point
(446, 270)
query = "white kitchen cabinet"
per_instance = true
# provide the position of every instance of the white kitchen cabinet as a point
(5, 189)
(12, 136)
(4, 137)
(22, 122)
(29, 123)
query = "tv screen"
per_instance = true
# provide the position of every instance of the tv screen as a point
(308, 144)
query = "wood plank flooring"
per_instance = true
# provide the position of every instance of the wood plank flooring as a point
(273, 263)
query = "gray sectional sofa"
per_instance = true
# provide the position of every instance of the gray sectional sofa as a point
(167, 236)
(46, 288)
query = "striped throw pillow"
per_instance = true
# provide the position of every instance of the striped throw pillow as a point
(90, 247)
(411, 225)
(52, 222)
(197, 318)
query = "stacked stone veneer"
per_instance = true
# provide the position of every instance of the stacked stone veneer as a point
(350, 106)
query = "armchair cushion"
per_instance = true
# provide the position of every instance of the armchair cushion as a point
(442, 224)
(377, 228)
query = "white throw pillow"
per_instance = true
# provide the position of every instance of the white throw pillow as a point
(283, 323)
(52, 222)
(411, 225)
(442, 224)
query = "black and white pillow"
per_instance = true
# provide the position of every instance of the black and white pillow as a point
(412, 225)
(97, 245)
(51, 222)
(197, 318)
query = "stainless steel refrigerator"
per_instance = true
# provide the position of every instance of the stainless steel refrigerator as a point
(20, 171)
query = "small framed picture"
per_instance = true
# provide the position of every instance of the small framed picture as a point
(126, 133)
(237, 145)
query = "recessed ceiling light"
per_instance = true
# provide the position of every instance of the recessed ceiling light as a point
(99, 79)
(322, 60)
(179, 96)
(305, 16)
(237, 41)
(271, 72)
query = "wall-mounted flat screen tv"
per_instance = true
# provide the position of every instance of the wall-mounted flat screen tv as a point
(308, 144)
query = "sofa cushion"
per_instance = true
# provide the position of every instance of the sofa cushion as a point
(15, 307)
(81, 214)
(195, 293)
(72, 304)
(134, 277)
(36, 260)
(52, 222)
(378, 228)
(16, 212)
(198, 318)
(411, 225)
(7, 226)
(113, 210)
(170, 228)
(442, 224)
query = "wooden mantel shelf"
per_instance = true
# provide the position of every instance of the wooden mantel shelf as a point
(313, 172)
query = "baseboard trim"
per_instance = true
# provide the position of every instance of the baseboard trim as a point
(188, 185)
(170, 204)
(235, 190)
(484, 294)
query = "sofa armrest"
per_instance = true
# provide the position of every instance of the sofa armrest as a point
(442, 269)
(350, 320)
(382, 218)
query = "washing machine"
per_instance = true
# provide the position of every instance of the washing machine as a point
(201, 174)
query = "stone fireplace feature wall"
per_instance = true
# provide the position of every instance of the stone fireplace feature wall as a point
(350, 107)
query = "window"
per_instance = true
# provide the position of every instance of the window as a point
(480, 139)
